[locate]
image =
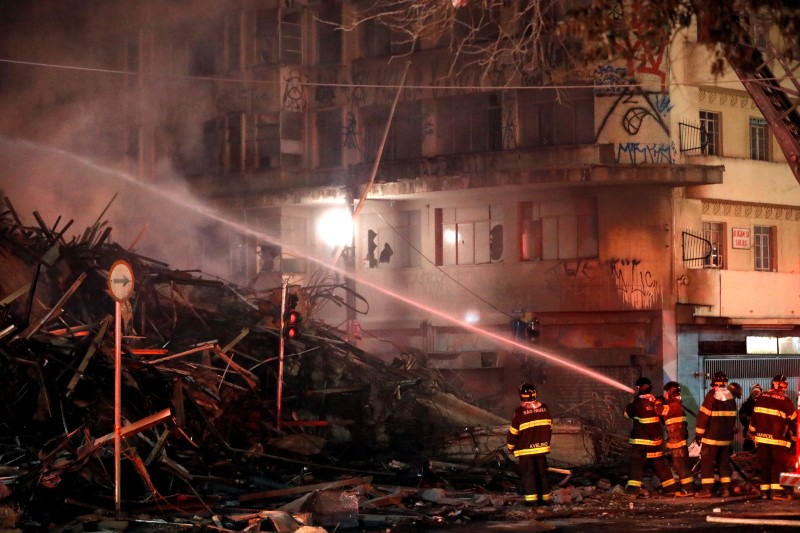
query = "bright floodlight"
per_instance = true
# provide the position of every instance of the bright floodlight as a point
(335, 227)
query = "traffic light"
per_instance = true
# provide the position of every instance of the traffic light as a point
(291, 318)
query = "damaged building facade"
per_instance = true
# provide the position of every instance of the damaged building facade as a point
(640, 217)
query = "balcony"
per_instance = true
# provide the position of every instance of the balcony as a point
(739, 296)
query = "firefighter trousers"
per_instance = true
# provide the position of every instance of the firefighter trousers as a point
(682, 467)
(718, 457)
(640, 456)
(533, 473)
(772, 460)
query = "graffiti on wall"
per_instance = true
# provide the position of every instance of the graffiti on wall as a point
(622, 280)
(294, 98)
(635, 107)
(350, 132)
(634, 284)
(636, 153)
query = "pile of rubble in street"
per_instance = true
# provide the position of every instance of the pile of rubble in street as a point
(210, 442)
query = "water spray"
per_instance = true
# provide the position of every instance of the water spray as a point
(325, 263)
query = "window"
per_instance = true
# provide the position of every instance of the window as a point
(764, 248)
(329, 131)
(266, 37)
(291, 38)
(234, 143)
(293, 134)
(558, 229)
(268, 141)
(203, 55)
(392, 239)
(233, 43)
(759, 139)
(132, 58)
(377, 40)
(329, 36)
(405, 134)
(468, 124)
(293, 231)
(714, 233)
(469, 235)
(551, 119)
(710, 131)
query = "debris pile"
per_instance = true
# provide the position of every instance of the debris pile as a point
(205, 429)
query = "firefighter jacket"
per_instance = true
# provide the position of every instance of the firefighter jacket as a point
(716, 421)
(745, 412)
(773, 419)
(646, 430)
(531, 429)
(671, 412)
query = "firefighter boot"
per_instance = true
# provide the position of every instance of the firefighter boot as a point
(703, 493)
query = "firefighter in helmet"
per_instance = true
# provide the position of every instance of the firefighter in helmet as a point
(716, 425)
(647, 440)
(674, 419)
(529, 440)
(771, 427)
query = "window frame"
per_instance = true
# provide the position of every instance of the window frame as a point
(474, 118)
(475, 234)
(711, 132)
(762, 235)
(759, 139)
(714, 233)
(558, 224)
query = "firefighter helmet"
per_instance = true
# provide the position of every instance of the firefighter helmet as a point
(756, 390)
(779, 382)
(719, 379)
(527, 392)
(735, 389)
(644, 385)
(672, 389)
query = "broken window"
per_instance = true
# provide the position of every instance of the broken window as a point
(469, 235)
(329, 36)
(405, 134)
(203, 55)
(392, 239)
(558, 229)
(291, 38)
(233, 42)
(329, 138)
(550, 118)
(470, 123)
(268, 140)
(378, 40)
(293, 134)
(266, 37)
(234, 143)
(212, 144)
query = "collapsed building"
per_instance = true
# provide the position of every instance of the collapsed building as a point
(204, 422)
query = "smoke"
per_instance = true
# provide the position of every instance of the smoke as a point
(68, 113)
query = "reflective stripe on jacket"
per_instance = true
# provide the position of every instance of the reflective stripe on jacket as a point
(531, 429)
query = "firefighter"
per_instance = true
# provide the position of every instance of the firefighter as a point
(529, 439)
(771, 427)
(716, 425)
(745, 412)
(647, 438)
(677, 437)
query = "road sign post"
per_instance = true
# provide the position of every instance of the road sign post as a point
(120, 285)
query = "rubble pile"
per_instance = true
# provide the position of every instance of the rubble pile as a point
(200, 403)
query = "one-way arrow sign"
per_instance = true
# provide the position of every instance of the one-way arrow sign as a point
(120, 281)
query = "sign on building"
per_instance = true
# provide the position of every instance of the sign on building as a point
(741, 238)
